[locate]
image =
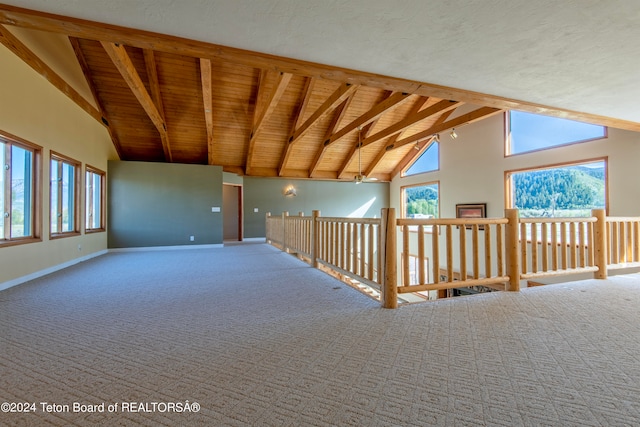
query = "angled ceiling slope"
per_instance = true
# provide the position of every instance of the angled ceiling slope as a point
(164, 98)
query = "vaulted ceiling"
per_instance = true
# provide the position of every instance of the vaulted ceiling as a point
(164, 98)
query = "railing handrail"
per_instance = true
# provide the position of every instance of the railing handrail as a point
(349, 220)
(450, 221)
(558, 220)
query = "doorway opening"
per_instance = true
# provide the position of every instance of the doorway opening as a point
(232, 212)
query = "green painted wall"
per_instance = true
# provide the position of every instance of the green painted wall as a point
(158, 204)
(332, 198)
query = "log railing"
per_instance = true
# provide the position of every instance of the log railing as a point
(350, 245)
(623, 242)
(456, 253)
(556, 246)
(469, 251)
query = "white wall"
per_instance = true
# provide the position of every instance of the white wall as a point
(472, 168)
(34, 110)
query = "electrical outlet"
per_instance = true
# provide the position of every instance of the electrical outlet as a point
(256, 210)
(192, 238)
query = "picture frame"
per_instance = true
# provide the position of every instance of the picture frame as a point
(471, 210)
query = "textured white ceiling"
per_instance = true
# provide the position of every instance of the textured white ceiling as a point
(580, 55)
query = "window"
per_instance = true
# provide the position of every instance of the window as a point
(531, 132)
(94, 200)
(559, 191)
(428, 161)
(421, 201)
(19, 187)
(64, 195)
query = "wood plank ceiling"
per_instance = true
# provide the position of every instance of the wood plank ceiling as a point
(165, 99)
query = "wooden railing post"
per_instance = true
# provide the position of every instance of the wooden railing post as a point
(285, 247)
(512, 257)
(600, 243)
(267, 227)
(315, 238)
(388, 249)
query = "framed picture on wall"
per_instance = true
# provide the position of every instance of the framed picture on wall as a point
(472, 210)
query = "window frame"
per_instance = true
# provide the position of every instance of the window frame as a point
(403, 203)
(93, 170)
(507, 137)
(77, 184)
(508, 182)
(8, 140)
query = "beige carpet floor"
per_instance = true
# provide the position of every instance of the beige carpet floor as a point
(250, 336)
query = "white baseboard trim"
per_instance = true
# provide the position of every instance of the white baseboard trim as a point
(166, 248)
(38, 274)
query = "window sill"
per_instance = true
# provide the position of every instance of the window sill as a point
(96, 230)
(16, 242)
(63, 235)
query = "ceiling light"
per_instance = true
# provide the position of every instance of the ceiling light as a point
(453, 134)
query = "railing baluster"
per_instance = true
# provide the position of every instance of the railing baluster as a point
(545, 246)
(523, 247)
(534, 247)
(406, 270)
(449, 246)
(563, 243)
(554, 246)
(475, 252)
(499, 250)
(636, 241)
(572, 244)
(435, 248)
(582, 244)
(421, 272)
(371, 251)
(487, 250)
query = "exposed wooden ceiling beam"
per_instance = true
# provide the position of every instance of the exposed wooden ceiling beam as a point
(306, 96)
(123, 63)
(206, 76)
(335, 122)
(11, 15)
(394, 100)
(156, 96)
(474, 116)
(414, 109)
(268, 102)
(75, 44)
(343, 91)
(12, 43)
(438, 108)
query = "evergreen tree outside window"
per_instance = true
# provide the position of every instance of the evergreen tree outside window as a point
(421, 201)
(559, 191)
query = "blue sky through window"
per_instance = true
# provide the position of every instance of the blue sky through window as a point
(427, 162)
(531, 132)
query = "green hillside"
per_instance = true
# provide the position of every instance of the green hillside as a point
(569, 188)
